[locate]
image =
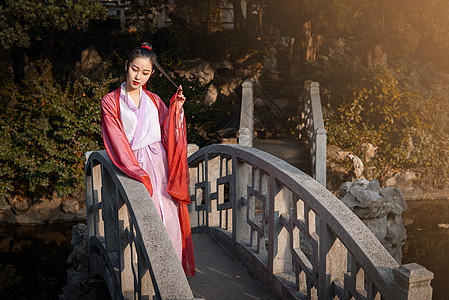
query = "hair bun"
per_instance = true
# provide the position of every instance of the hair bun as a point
(146, 45)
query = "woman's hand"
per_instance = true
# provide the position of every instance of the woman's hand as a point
(180, 96)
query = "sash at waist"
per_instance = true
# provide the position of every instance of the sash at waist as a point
(152, 147)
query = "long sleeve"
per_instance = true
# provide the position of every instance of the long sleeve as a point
(116, 143)
(174, 137)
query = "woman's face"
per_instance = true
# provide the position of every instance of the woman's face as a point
(138, 73)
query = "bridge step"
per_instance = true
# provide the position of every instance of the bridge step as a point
(219, 275)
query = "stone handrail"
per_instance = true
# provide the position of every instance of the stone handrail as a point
(311, 118)
(291, 232)
(128, 244)
(246, 129)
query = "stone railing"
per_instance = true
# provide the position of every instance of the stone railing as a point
(292, 233)
(312, 125)
(128, 244)
(246, 130)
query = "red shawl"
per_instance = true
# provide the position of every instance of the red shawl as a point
(173, 133)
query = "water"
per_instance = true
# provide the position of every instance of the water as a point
(427, 224)
(33, 260)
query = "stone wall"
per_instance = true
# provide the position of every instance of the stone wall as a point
(381, 211)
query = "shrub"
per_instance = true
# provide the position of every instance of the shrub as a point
(46, 129)
(409, 126)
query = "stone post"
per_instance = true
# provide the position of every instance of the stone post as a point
(247, 115)
(193, 173)
(89, 182)
(241, 180)
(280, 203)
(320, 156)
(319, 133)
(412, 282)
(192, 148)
(332, 258)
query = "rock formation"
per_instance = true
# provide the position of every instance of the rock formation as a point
(381, 211)
(78, 286)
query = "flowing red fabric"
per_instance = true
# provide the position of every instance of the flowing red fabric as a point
(174, 138)
(175, 142)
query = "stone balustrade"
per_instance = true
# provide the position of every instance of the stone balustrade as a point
(312, 127)
(293, 235)
(291, 232)
(128, 245)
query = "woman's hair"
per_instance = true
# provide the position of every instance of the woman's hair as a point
(145, 50)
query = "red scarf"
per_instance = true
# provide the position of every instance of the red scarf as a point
(174, 139)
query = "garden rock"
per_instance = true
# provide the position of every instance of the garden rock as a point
(211, 96)
(197, 69)
(70, 206)
(380, 209)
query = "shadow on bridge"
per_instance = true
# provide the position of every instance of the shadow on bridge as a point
(219, 275)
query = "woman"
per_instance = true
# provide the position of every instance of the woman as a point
(148, 142)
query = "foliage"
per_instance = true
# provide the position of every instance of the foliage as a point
(46, 129)
(403, 115)
(228, 45)
(23, 22)
(201, 120)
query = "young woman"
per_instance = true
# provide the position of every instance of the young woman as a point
(148, 142)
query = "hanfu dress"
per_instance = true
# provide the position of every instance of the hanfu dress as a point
(148, 143)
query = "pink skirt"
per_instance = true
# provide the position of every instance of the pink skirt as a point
(153, 159)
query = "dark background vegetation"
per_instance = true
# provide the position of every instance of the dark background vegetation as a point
(382, 68)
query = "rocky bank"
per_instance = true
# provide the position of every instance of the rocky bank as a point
(46, 210)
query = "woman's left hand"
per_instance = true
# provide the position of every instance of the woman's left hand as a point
(180, 96)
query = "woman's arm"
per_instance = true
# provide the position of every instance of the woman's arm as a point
(116, 143)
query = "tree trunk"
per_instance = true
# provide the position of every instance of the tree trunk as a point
(249, 15)
(239, 19)
(262, 6)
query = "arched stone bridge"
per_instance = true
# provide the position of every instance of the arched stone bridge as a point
(291, 233)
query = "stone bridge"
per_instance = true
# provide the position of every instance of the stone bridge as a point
(249, 210)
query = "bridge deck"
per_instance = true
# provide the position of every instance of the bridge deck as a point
(221, 276)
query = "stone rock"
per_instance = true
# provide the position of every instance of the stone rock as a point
(197, 68)
(360, 198)
(19, 204)
(335, 154)
(357, 165)
(369, 150)
(77, 286)
(70, 206)
(90, 59)
(211, 96)
(377, 209)
(377, 226)
(395, 229)
(91, 65)
(380, 209)
(344, 189)
(394, 195)
(401, 179)
(374, 185)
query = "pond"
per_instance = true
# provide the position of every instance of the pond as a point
(427, 224)
(33, 260)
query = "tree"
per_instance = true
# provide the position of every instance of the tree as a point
(30, 24)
